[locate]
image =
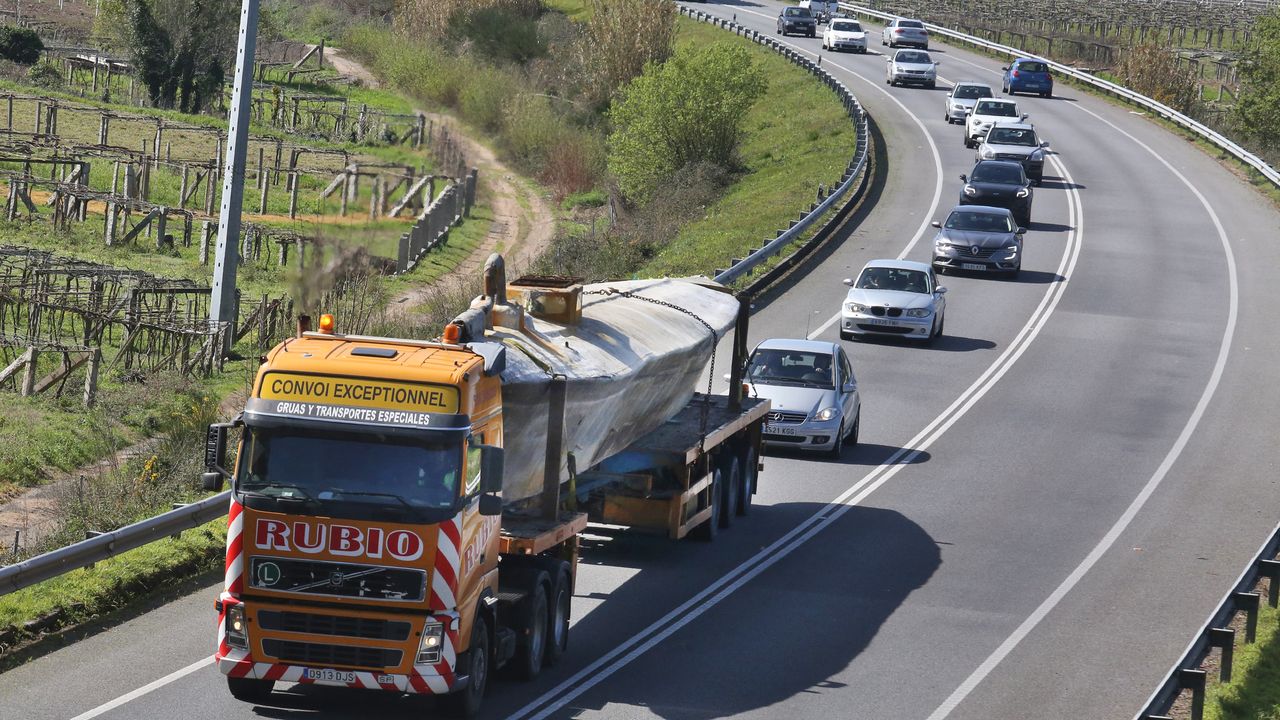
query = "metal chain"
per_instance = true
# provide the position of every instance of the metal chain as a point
(715, 341)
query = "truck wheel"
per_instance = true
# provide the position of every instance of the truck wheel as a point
(533, 638)
(707, 530)
(558, 627)
(250, 690)
(732, 480)
(750, 467)
(466, 703)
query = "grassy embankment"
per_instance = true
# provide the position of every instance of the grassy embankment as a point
(1254, 690)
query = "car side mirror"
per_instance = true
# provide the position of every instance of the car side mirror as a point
(936, 224)
(491, 465)
(941, 291)
(1045, 144)
(1024, 116)
(848, 281)
(964, 177)
(1020, 231)
(968, 111)
(490, 505)
(850, 387)
(1004, 68)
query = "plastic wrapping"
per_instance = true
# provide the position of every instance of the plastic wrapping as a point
(630, 365)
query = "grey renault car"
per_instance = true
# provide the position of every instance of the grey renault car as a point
(1017, 142)
(981, 238)
(812, 391)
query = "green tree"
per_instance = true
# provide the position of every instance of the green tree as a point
(1257, 112)
(19, 44)
(686, 110)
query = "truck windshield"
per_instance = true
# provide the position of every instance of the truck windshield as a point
(349, 475)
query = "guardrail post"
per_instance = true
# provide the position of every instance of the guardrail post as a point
(1194, 680)
(1249, 602)
(1270, 569)
(1224, 638)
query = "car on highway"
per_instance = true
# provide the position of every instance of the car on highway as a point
(823, 10)
(899, 298)
(1028, 75)
(844, 35)
(902, 31)
(797, 20)
(999, 183)
(986, 114)
(812, 392)
(1017, 142)
(912, 66)
(960, 101)
(981, 238)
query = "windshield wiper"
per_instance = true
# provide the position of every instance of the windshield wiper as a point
(397, 498)
(305, 498)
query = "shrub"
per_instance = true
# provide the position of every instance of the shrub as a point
(45, 74)
(1257, 112)
(485, 96)
(1153, 71)
(623, 36)
(500, 33)
(687, 110)
(21, 45)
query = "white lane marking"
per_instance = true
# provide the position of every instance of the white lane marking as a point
(643, 641)
(1130, 512)
(156, 684)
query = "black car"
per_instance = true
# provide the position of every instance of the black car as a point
(999, 183)
(797, 20)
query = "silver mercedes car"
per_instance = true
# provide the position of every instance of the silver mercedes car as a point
(813, 393)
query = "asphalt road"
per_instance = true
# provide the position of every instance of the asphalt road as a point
(1043, 508)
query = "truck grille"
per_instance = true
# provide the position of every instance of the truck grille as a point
(332, 655)
(333, 579)
(371, 628)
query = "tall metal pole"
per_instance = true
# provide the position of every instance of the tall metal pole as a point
(222, 308)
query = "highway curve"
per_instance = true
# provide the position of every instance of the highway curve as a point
(1043, 508)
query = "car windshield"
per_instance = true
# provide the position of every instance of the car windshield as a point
(997, 109)
(846, 26)
(978, 221)
(790, 367)
(1012, 136)
(796, 12)
(907, 24)
(1037, 67)
(910, 56)
(350, 475)
(887, 278)
(972, 92)
(997, 174)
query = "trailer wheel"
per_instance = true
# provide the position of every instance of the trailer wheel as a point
(533, 636)
(708, 529)
(466, 703)
(731, 480)
(250, 690)
(561, 597)
(750, 468)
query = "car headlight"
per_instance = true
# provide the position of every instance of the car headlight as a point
(970, 191)
(432, 642)
(918, 312)
(825, 414)
(988, 153)
(1012, 249)
(1023, 192)
(236, 629)
(1037, 155)
(956, 107)
(854, 308)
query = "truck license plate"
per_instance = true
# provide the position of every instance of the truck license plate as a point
(775, 430)
(329, 675)
(972, 266)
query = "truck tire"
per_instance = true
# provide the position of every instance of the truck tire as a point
(466, 703)
(250, 690)
(706, 532)
(750, 467)
(731, 482)
(558, 620)
(532, 646)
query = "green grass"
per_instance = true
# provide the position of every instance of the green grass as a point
(1254, 690)
(43, 433)
(798, 135)
(579, 10)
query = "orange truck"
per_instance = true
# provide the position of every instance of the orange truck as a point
(368, 545)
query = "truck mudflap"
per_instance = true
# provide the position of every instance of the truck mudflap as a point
(424, 679)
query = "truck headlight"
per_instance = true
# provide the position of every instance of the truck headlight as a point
(825, 414)
(236, 628)
(432, 641)
(918, 312)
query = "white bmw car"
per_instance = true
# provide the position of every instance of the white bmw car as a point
(844, 35)
(896, 298)
(987, 113)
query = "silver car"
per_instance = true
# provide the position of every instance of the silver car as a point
(902, 31)
(813, 393)
(978, 237)
(897, 298)
(912, 66)
(960, 101)
(1017, 142)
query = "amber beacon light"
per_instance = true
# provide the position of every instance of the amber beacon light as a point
(326, 324)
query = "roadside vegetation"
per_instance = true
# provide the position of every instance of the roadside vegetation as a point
(1254, 690)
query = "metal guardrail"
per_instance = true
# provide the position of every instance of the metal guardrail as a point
(1217, 633)
(740, 267)
(100, 547)
(1158, 108)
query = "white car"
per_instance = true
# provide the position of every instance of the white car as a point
(986, 115)
(902, 31)
(912, 66)
(897, 298)
(960, 101)
(823, 10)
(844, 35)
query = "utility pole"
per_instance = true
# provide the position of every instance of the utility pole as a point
(222, 306)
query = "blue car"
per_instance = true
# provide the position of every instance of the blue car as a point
(1026, 75)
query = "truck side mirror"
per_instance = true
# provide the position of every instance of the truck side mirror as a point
(491, 470)
(490, 505)
(215, 450)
